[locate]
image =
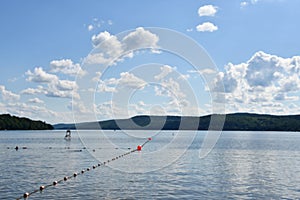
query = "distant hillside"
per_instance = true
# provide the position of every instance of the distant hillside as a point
(233, 122)
(8, 122)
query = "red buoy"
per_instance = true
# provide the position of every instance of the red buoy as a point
(139, 148)
(149, 138)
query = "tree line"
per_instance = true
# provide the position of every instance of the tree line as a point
(8, 122)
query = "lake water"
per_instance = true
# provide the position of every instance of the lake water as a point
(242, 165)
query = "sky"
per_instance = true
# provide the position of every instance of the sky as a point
(66, 61)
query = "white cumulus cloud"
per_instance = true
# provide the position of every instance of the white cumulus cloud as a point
(206, 27)
(165, 70)
(111, 49)
(170, 88)
(35, 100)
(110, 110)
(260, 83)
(53, 86)
(8, 95)
(66, 66)
(36, 112)
(40, 76)
(207, 10)
(31, 91)
(126, 80)
(106, 36)
(140, 38)
(130, 80)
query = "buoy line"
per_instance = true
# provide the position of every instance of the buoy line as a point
(61, 148)
(75, 174)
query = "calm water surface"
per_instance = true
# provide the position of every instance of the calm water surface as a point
(243, 165)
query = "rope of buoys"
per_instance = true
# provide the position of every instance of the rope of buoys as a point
(75, 174)
(66, 148)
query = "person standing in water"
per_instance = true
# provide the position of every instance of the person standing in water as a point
(68, 134)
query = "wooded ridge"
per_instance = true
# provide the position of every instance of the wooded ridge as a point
(232, 122)
(8, 122)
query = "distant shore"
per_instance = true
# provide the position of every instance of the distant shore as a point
(228, 122)
(9, 122)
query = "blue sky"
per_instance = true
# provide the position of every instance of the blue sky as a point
(253, 43)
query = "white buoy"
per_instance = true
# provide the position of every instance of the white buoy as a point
(26, 194)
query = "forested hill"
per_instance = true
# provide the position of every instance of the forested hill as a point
(8, 122)
(233, 122)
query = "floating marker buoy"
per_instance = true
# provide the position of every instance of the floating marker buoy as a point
(75, 174)
(149, 138)
(42, 187)
(54, 182)
(99, 164)
(139, 148)
(16, 148)
(82, 171)
(88, 169)
(94, 166)
(65, 178)
(26, 194)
